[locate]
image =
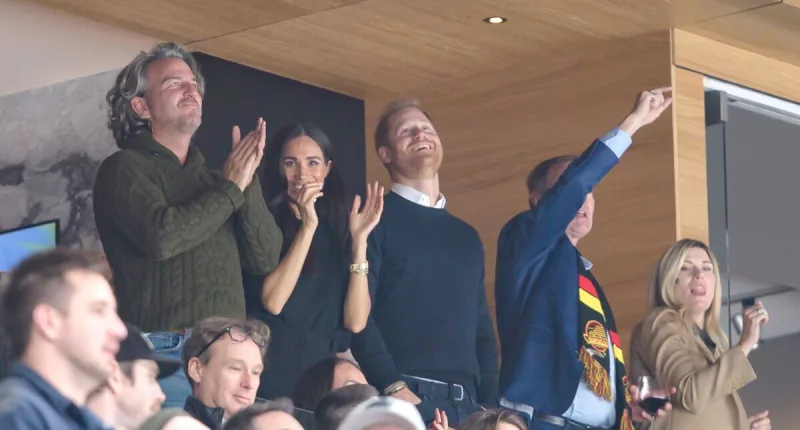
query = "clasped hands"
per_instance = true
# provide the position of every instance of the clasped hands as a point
(246, 154)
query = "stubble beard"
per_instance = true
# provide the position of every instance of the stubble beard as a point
(188, 124)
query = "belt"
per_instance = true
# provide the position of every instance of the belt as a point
(563, 423)
(435, 389)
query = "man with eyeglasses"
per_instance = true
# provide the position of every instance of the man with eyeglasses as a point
(223, 360)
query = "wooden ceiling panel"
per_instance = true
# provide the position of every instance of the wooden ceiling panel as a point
(399, 45)
(370, 47)
(772, 31)
(746, 68)
(191, 20)
(391, 45)
(685, 12)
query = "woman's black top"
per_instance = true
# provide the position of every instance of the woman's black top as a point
(310, 327)
(703, 335)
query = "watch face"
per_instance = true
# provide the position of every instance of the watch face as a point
(360, 268)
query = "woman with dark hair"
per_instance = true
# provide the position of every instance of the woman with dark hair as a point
(324, 377)
(318, 295)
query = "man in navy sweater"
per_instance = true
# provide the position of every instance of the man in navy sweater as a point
(429, 339)
(563, 365)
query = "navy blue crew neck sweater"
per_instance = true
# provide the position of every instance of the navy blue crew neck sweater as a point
(429, 314)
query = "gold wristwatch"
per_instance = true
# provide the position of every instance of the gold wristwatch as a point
(362, 268)
(394, 388)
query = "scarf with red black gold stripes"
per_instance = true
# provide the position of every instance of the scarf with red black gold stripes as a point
(595, 320)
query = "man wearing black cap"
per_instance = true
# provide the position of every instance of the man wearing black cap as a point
(131, 394)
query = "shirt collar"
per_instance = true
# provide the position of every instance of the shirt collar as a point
(62, 405)
(586, 263)
(418, 197)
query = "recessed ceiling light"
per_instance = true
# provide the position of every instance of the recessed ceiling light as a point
(495, 19)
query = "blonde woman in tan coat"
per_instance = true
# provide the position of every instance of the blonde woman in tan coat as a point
(680, 344)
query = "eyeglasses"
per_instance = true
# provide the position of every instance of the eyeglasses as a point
(237, 334)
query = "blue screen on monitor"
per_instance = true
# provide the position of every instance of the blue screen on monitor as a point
(21, 242)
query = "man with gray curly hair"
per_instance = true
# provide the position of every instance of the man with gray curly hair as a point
(176, 233)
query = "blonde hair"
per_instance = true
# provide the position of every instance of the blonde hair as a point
(662, 286)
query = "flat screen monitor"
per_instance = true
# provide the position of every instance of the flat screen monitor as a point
(18, 243)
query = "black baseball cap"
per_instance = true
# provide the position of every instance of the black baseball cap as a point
(137, 347)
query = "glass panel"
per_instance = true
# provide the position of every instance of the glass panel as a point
(754, 201)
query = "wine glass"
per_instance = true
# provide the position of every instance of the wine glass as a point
(652, 396)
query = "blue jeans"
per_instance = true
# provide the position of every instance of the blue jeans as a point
(176, 387)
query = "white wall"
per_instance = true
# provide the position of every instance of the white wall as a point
(40, 46)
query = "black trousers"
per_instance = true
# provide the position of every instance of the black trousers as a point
(539, 424)
(442, 396)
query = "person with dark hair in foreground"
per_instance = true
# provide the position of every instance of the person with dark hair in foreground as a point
(318, 295)
(334, 407)
(272, 415)
(177, 234)
(223, 360)
(562, 359)
(132, 394)
(430, 339)
(324, 377)
(61, 319)
(6, 355)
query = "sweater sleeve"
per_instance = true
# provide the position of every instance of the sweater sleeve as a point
(135, 205)
(369, 349)
(257, 235)
(486, 344)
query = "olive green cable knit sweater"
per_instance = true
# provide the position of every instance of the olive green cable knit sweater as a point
(177, 236)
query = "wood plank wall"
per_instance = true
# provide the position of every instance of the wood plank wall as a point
(496, 127)
(691, 191)
(694, 57)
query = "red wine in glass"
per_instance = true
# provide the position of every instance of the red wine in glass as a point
(651, 405)
(652, 396)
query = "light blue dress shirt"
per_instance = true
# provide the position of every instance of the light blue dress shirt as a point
(587, 408)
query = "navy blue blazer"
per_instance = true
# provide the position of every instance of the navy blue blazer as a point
(536, 292)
